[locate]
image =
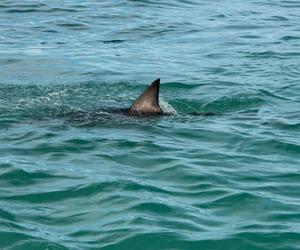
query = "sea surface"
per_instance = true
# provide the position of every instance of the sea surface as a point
(74, 178)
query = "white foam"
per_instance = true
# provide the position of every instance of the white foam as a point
(166, 107)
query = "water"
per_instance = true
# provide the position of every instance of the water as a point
(229, 181)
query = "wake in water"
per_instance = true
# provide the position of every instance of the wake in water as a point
(79, 103)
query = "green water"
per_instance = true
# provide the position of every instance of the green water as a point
(101, 180)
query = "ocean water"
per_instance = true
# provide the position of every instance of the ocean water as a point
(185, 181)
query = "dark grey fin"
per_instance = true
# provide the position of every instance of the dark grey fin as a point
(147, 103)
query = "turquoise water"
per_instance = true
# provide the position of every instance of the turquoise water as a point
(105, 181)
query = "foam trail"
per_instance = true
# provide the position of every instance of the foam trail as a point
(166, 107)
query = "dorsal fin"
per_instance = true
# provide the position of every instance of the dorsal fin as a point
(147, 102)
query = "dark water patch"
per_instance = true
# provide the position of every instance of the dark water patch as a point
(157, 4)
(251, 36)
(278, 18)
(240, 102)
(9, 238)
(9, 61)
(166, 240)
(285, 216)
(23, 8)
(290, 4)
(40, 244)
(153, 240)
(19, 177)
(74, 26)
(289, 38)
(59, 9)
(219, 16)
(27, 10)
(50, 31)
(284, 125)
(5, 215)
(26, 5)
(279, 145)
(242, 27)
(114, 41)
(273, 54)
(236, 200)
(290, 177)
(173, 86)
(68, 193)
(153, 208)
(215, 55)
(267, 240)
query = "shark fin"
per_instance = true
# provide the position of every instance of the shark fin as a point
(147, 102)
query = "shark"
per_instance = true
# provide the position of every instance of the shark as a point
(145, 105)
